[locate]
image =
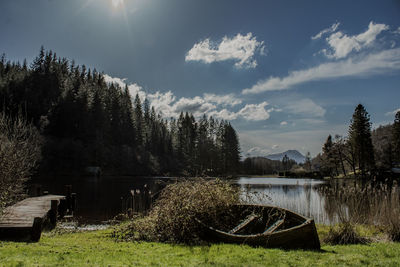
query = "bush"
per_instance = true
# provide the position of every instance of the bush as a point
(344, 234)
(19, 154)
(174, 216)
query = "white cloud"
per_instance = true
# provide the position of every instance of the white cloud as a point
(196, 105)
(305, 107)
(133, 88)
(162, 102)
(119, 81)
(327, 30)
(392, 113)
(283, 123)
(241, 49)
(343, 44)
(225, 100)
(258, 152)
(224, 114)
(397, 31)
(372, 64)
(210, 104)
(255, 112)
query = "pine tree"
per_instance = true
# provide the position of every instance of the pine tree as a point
(360, 139)
(138, 118)
(307, 163)
(327, 156)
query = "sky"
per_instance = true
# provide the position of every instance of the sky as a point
(286, 74)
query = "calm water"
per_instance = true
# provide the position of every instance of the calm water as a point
(100, 199)
(299, 195)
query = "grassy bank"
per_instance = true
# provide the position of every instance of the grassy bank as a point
(97, 248)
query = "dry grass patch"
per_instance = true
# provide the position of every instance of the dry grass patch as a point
(173, 217)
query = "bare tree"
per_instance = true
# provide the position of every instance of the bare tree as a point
(20, 151)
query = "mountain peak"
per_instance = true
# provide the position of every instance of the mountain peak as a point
(292, 154)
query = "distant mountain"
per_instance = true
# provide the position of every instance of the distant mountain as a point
(292, 154)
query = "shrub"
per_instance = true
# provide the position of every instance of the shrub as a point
(174, 215)
(19, 153)
(343, 234)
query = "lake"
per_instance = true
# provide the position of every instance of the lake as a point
(300, 195)
(100, 199)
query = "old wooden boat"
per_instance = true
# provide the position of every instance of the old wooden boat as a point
(260, 225)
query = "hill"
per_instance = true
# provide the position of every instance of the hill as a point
(292, 154)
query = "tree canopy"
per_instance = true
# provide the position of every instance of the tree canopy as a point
(88, 122)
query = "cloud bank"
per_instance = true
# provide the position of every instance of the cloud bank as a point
(342, 44)
(327, 30)
(210, 104)
(340, 62)
(372, 64)
(392, 113)
(241, 49)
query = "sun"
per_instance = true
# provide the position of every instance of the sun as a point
(117, 3)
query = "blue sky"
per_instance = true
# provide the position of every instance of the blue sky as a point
(285, 73)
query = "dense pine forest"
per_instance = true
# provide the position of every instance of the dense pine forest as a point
(88, 122)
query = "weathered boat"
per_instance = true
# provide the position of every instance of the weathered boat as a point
(266, 226)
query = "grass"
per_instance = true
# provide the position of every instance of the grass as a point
(97, 248)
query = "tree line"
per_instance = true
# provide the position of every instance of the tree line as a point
(86, 121)
(262, 165)
(364, 152)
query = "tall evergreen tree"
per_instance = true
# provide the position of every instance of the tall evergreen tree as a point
(138, 118)
(327, 156)
(360, 139)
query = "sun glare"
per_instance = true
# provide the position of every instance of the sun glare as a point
(117, 3)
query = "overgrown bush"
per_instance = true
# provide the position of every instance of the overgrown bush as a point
(344, 234)
(20, 144)
(174, 215)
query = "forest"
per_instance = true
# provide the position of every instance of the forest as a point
(85, 121)
(364, 152)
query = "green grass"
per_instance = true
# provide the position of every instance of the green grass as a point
(98, 249)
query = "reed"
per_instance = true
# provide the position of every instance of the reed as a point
(372, 203)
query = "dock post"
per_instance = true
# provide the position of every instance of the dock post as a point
(53, 212)
(146, 198)
(136, 200)
(73, 202)
(36, 231)
(68, 190)
(62, 207)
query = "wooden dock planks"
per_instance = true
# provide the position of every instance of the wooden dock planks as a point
(24, 219)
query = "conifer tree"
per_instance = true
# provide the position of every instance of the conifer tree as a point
(360, 139)
(138, 117)
(327, 156)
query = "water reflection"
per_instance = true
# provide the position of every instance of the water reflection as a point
(100, 199)
(298, 195)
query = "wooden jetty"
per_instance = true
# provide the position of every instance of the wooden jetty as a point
(26, 219)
